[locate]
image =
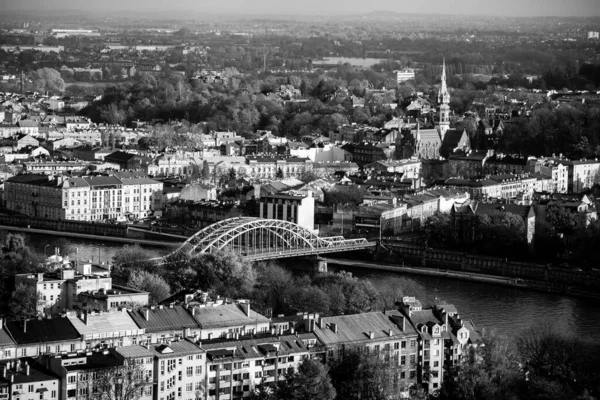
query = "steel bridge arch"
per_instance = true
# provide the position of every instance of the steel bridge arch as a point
(224, 234)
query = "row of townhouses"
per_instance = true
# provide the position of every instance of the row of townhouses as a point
(218, 350)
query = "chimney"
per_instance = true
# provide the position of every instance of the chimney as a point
(85, 318)
(26, 368)
(25, 326)
(147, 314)
(371, 335)
(292, 330)
(322, 323)
(4, 367)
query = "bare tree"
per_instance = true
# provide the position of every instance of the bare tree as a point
(126, 381)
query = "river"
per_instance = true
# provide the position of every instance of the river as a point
(507, 310)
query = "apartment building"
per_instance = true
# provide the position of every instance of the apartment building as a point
(83, 374)
(92, 198)
(443, 337)
(405, 74)
(138, 196)
(179, 370)
(390, 336)
(236, 367)
(85, 286)
(165, 323)
(219, 320)
(36, 337)
(25, 380)
(102, 330)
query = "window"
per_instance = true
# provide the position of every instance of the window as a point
(397, 346)
(412, 358)
(199, 370)
(30, 388)
(413, 343)
(189, 387)
(258, 374)
(436, 364)
(190, 371)
(403, 360)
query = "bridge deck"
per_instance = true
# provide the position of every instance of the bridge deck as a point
(286, 253)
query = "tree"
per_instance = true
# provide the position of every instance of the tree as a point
(358, 375)
(489, 371)
(115, 382)
(310, 382)
(132, 258)
(47, 79)
(25, 302)
(205, 170)
(155, 285)
(223, 272)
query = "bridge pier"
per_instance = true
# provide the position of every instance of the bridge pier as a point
(319, 265)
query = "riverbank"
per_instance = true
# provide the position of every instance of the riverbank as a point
(467, 276)
(124, 240)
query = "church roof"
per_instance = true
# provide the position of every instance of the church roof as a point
(452, 140)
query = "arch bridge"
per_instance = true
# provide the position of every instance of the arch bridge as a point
(263, 239)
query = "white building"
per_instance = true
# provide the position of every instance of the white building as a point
(405, 74)
(287, 207)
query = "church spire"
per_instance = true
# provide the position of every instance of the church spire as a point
(444, 100)
(444, 96)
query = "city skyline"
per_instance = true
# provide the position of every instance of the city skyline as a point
(509, 8)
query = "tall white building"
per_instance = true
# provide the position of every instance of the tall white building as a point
(405, 74)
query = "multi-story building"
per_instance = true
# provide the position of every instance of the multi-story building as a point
(169, 164)
(405, 74)
(26, 380)
(35, 337)
(180, 370)
(86, 286)
(287, 207)
(54, 167)
(411, 169)
(390, 336)
(226, 320)
(91, 198)
(270, 167)
(235, 368)
(583, 175)
(106, 329)
(138, 195)
(165, 323)
(555, 169)
(443, 337)
(84, 374)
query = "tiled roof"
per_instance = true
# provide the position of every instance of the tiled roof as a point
(226, 315)
(113, 322)
(134, 351)
(164, 319)
(120, 156)
(256, 347)
(42, 330)
(355, 328)
(175, 349)
(5, 339)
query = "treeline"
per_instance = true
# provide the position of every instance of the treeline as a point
(572, 130)
(272, 289)
(243, 105)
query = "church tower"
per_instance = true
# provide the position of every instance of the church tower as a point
(444, 100)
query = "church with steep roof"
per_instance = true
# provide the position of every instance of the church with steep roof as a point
(440, 140)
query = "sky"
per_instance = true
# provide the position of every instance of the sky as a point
(324, 7)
